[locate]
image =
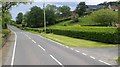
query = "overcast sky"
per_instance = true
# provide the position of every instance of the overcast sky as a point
(71, 3)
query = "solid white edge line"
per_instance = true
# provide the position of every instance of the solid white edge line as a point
(41, 47)
(67, 47)
(33, 41)
(56, 60)
(13, 55)
(51, 40)
(104, 62)
(92, 57)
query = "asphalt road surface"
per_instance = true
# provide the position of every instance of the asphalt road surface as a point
(33, 49)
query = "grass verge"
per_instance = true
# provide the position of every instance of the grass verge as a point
(118, 60)
(74, 42)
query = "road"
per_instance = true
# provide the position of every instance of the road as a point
(33, 49)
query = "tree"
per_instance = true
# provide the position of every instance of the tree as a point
(19, 18)
(51, 14)
(64, 11)
(26, 18)
(35, 17)
(75, 17)
(81, 8)
(6, 19)
(6, 6)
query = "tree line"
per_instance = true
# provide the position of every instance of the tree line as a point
(35, 17)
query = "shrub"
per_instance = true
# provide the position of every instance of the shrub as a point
(105, 17)
(108, 35)
(5, 33)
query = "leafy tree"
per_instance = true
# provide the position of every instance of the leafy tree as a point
(6, 6)
(26, 18)
(51, 14)
(6, 19)
(35, 17)
(105, 17)
(19, 18)
(81, 8)
(64, 11)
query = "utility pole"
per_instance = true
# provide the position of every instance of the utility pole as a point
(44, 17)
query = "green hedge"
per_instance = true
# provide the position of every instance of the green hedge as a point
(101, 34)
(105, 36)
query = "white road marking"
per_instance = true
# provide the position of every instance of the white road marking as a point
(77, 51)
(84, 54)
(67, 47)
(13, 55)
(29, 37)
(21, 32)
(104, 62)
(33, 41)
(56, 60)
(41, 47)
(26, 35)
(92, 57)
(71, 48)
(51, 40)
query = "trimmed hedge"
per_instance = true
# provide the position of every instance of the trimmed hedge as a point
(97, 36)
(101, 34)
(105, 36)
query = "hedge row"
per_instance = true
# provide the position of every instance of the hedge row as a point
(101, 34)
(95, 36)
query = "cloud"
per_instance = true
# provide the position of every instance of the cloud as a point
(89, 2)
(58, 0)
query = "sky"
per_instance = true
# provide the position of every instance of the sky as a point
(71, 3)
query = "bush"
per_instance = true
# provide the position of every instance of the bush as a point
(5, 33)
(105, 17)
(108, 35)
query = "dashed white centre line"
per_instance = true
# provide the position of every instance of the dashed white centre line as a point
(104, 62)
(66, 47)
(33, 41)
(41, 47)
(77, 51)
(29, 37)
(56, 60)
(84, 54)
(92, 57)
